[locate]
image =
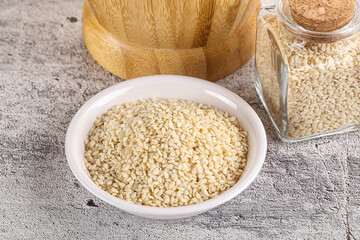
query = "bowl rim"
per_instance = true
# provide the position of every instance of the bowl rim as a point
(166, 211)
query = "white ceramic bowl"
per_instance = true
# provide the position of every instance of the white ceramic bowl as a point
(166, 86)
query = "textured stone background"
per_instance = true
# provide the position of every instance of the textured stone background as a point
(307, 190)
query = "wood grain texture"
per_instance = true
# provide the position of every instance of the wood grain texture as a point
(200, 38)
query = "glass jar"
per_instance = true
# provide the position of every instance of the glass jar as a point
(308, 81)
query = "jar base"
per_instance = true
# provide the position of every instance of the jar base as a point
(286, 139)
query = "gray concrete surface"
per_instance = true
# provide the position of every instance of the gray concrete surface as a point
(307, 190)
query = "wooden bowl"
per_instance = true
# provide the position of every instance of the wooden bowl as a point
(209, 39)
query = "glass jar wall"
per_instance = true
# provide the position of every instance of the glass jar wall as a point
(309, 82)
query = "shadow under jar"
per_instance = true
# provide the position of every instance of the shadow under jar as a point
(308, 81)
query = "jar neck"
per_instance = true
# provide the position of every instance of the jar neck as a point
(284, 15)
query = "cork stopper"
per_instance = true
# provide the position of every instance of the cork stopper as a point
(322, 15)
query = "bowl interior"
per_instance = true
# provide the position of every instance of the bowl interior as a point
(166, 86)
